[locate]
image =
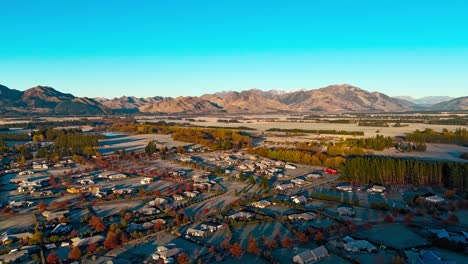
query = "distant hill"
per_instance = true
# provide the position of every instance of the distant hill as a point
(427, 100)
(331, 99)
(460, 103)
(46, 100)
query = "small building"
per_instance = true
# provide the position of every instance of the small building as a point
(178, 197)
(55, 215)
(290, 166)
(196, 232)
(157, 201)
(190, 194)
(434, 199)
(313, 176)
(299, 199)
(311, 256)
(309, 216)
(26, 172)
(146, 180)
(298, 181)
(359, 246)
(345, 188)
(83, 242)
(117, 176)
(241, 215)
(345, 211)
(261, 204)
(376, 189)
(286, 186)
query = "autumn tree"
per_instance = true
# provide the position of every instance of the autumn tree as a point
(182, 259)
(42, 206)
(287, 242)
(91, 247)
(75, 254)
(303, 238)
(253, 246)
(319, 237)
(111, 241)
(96, 223)
(236, 250)
(52, 258)
(225, 244)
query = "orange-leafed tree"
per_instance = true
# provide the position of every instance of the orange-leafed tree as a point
(52, 258)
(225, 244)
(42, 206)
(303, 238)
(287, 242)
(112, 240)
(182, 259)
(96, 223)
(236, 250)
(91, 247)
(253, 246)
(319, 237)
(75, 254)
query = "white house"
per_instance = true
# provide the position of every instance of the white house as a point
(286, 186)
(345, 188)
(297, 181)
(309, 216)
(345, 211)
(146, 180)
(299, 199)
(290, 166)
(261, 204)
(434, 199)
(377, 189)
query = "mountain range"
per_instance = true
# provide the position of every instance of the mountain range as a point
(333, 99)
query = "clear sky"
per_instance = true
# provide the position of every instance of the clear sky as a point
(173, 47)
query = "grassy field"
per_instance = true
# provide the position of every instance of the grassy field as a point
(397, 236)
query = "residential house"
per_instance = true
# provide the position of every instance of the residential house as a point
(345, 211)
(355, 246)
(290, 166)
(299, 199)
(241, 215)
(83, 242)
(178, 197)
(345, 188)
(309, 216)
(196, 232)
(298, 181)
(311, 256)
(55, 215)
(285, 186)
(146, 180)
(434, 199)
(376, 189)
(157, 201)
(261, 204)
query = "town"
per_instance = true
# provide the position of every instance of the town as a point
(207, 195)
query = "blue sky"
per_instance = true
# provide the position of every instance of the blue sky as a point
(173, 47)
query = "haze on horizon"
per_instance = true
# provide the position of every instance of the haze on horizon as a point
(173, 48)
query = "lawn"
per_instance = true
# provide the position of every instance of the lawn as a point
(397, 236)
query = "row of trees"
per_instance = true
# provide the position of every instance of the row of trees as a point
(386, 170)
(378, 142)
(459, 136)
(299, 156)
(66, 143)
(318, 131)
(216, 139)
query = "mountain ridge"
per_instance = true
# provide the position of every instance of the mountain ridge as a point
(333, 98)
